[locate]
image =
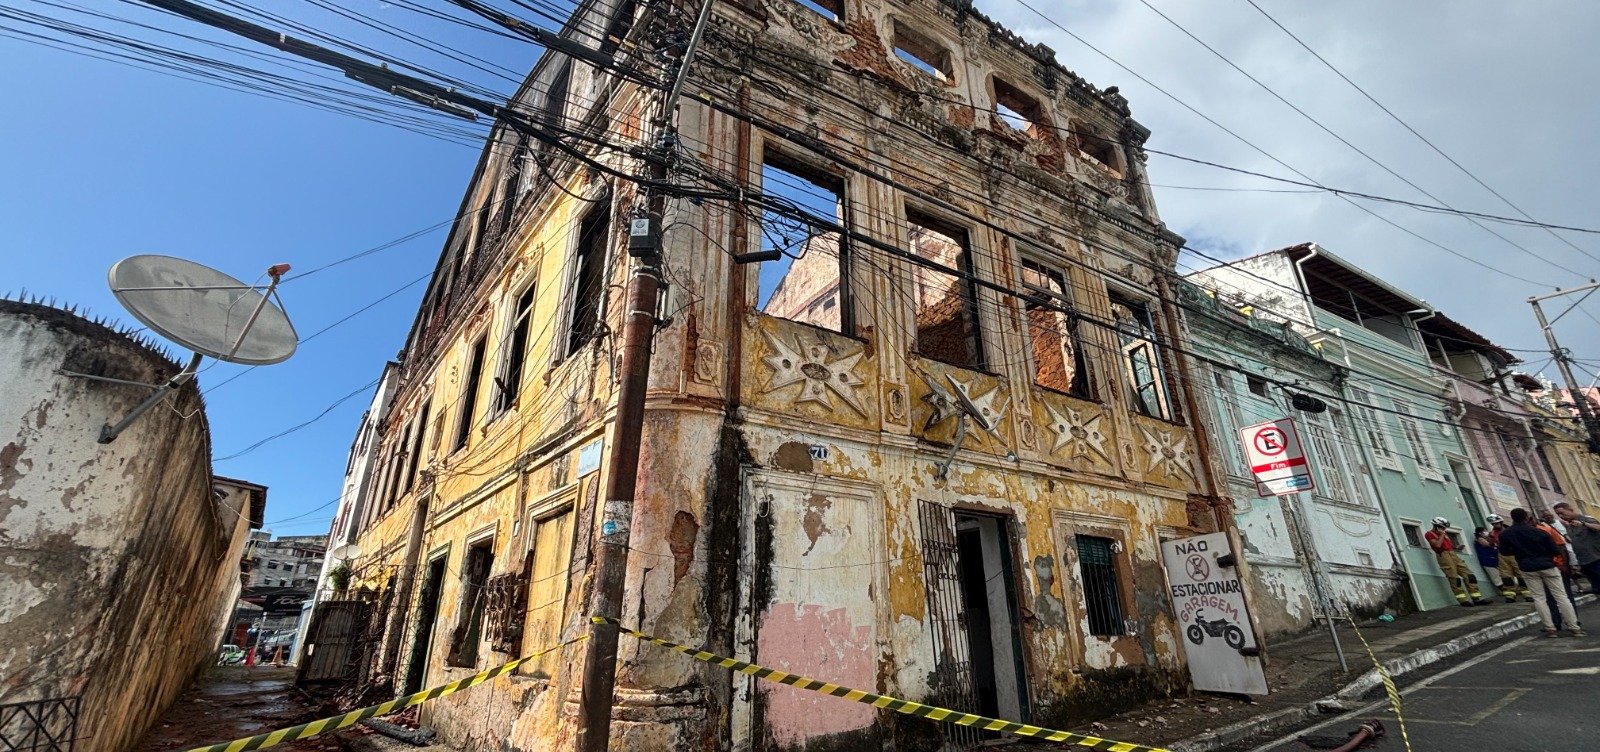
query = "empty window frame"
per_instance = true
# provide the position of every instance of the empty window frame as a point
(1257, 385)
(1096, 148)
(514, 352)
(833, 10)
(1018, 110)
(475, 566)
(1102, 589)
(920, 51)
(1059, 362)
(469, 395)
(588, 278)
(807, 283)
(418, 429)
(1142, 359)
(946, 303)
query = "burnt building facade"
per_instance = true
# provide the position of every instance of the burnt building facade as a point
(916, 422)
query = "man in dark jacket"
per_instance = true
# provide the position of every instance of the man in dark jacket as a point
(1536, 552)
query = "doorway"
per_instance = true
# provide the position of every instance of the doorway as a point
(972, 611)
(427, 615)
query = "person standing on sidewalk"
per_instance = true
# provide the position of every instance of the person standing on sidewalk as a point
(1512, 583)
(1563, 559)
(1583, 537)
(1462, 581)
(1536, 552)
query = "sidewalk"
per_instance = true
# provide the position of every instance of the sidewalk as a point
(232, 702)
(1303, 670)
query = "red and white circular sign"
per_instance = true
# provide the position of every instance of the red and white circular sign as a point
(1270, 441)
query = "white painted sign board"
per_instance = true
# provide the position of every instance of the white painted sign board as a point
(1213, 621)
(1276, 458)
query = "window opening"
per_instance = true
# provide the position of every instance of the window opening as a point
(588, 288)
(1366, 422)
(1549, 469)
(805, 283)
(833, 10)
(1413, 533)
(1097, 148)
(427, 616)
(397, 465)
(1141, 356)
(1232, 418)
(469, 619)
(515, 356)
(1019, 111)
(1330, 464)
(947, 304)
(921, 52)
(1420, 451)
(1059, 362)
(419, 428)
(1257, 385)
(469, 396)
(1101, 590)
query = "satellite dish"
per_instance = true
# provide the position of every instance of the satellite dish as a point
(346, 551)
(202, 310)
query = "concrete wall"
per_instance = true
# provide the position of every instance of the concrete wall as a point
(118, 564)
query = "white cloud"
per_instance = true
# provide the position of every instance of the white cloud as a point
(1507, 89)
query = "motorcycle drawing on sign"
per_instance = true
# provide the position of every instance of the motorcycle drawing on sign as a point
(1202, 628)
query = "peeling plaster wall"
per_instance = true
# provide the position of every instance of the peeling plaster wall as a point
(118, 566)
(743, 540)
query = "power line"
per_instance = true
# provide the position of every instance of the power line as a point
(1341, 139)
(1408, 127)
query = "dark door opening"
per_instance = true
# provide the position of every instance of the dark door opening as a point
(987, 584)
(427, 615)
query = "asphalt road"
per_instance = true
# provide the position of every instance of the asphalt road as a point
(1530, 694)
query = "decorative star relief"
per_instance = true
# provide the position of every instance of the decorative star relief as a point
(1077, 432)
(820, 378)
(1168, 452)
(948, 403)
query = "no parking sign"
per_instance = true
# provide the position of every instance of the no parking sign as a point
(1276, 458)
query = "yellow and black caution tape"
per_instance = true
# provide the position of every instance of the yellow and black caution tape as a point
(1388, 685)
(324, 725)
(880, 701)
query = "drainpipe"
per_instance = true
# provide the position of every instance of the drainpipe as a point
(1371, 463)
(1305, 290)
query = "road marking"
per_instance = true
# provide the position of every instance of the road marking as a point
(1585, 671)
(1367, 709)
(1482, 715)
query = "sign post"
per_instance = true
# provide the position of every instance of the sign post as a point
(1278, 462)
(1208, 599)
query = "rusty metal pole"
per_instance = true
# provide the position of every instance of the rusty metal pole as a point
(622, 470)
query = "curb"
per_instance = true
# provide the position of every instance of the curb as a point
(1279, 720)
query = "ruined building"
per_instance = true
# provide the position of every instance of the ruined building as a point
(120, 563)
(966, 221)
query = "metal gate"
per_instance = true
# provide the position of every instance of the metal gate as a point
(953, 685)
(39, 726)
(334, 649)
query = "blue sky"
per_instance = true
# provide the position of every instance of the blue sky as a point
(103, 161)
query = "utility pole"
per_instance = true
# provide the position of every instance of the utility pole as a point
(1564, 360)
(622, 470)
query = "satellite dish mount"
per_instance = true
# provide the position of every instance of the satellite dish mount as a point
(203, 310)
(955, 402)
